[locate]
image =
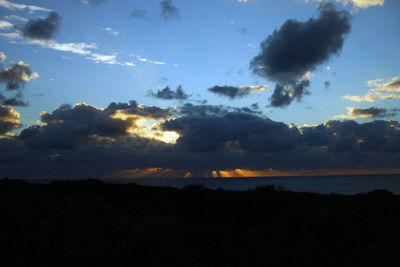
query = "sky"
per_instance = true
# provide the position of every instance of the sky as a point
(213, 88)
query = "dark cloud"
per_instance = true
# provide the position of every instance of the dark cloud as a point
(13, 101)
(230, 91)
(140, 14)
(241, 131)
(9, 119)
(80, 141)
(327, 85)
(168, 94)
(15, 76)
(233, 92)
(299, 47)
(42, 29)
(371, 112)
(284, 95)
(71, 127)
(169, 10)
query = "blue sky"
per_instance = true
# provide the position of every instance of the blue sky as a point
(111, 55)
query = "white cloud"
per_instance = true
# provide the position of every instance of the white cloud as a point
(76, 48)
(356, 3)
(389, 89)
(106, 59)
(14, 17)
(5, 25)
(2, 57)
(129, 64)
(148, 60)
(15, 6)
(111, 31)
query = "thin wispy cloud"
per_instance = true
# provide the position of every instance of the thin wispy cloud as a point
(357, 4)
(5, 25)
(15, 6)
(111, 31)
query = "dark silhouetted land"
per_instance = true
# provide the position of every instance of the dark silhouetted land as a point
(91, 223)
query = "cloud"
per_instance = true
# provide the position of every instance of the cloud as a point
(42, 29)
(111, 31)
(2, 57)
(15, 76)
(9, 120)
(327, 85)
(82, 140)
(14, 6)
(381, 89)
(240, 131)
(14, 17)
(76, 48)
(140, 14)
(233, 92)
(297, 48)
(5, 25)
(370, 112)
(169, 10)
(356, 3)
(71, 127)
(106, 59)
(92, 2)
(168, 94)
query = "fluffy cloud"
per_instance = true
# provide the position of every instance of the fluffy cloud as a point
(371, 112)
(15, 76)
(168, 94)
(381, 90)
(9, 119)
(233, 92)
(71, 127)
(296, 49)
(42, 29)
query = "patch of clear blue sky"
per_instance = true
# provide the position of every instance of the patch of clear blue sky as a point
(209, 48)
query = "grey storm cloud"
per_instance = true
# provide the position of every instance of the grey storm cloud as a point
(297, 48)
(42, 29)
(169, 10)
(15, 76)
(168, 94)
(80, 141)
(9, 119)
(71, 127)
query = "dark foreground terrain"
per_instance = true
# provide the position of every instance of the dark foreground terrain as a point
(90, 223)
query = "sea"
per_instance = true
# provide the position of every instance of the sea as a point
(346, 185)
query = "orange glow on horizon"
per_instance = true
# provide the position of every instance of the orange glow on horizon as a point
(237, 173)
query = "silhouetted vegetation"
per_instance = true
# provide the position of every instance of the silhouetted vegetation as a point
(92, 223)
